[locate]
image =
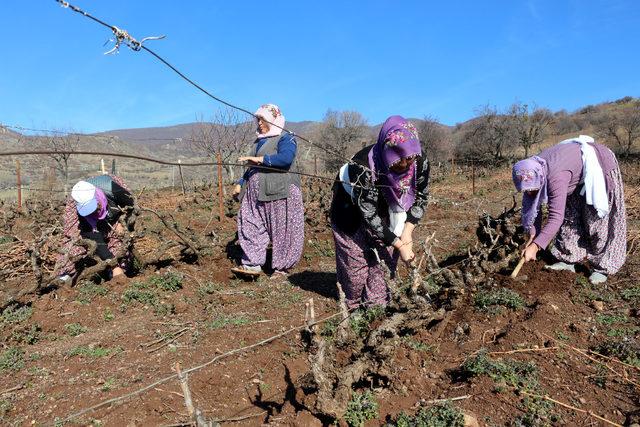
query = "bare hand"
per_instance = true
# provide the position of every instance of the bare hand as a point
(532, 235)
(531, 252)
(406, 253)
(117, 271)
(119, 229)
(251, 159)
(236, 190)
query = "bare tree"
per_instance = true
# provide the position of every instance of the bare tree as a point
(530, 124)
(341, 134)
(61, 145)
(487, 137)
(565, 123)
(226, 134)
(622, 128)
(435, 139)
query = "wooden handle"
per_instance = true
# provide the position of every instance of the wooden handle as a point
(518, 267)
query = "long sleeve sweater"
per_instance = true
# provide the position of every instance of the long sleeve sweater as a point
(564, 173)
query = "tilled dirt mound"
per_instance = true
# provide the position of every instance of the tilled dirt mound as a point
(546, 348)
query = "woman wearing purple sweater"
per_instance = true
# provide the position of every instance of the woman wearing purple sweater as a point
(580, 181)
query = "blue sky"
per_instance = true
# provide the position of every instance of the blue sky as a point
(414, 58)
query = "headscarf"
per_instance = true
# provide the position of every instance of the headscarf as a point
(270, 113)
(398, 139)
(531, 174)
(101, 212)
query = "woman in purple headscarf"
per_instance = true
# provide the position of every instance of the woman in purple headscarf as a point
(580, 181)
(378, 199)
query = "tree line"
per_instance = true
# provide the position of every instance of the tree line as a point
(492, 136)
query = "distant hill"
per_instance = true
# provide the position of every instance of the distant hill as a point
(171, 143)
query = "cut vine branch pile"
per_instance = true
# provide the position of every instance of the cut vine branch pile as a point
(348, 357)
(151, 243)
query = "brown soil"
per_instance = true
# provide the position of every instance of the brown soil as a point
(118, 347)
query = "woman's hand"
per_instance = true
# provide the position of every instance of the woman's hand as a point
(405, 250)
(236, 191)
(407, 233)
(531, 252)
(119, 229)
(407, 238)
(254, 160)
(117, 271)
(530, 249)
(406, 253)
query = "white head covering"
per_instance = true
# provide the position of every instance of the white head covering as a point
(272, 114)
(595, 187)
(84, 193)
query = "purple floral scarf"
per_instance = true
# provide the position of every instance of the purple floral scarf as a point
(531, 174)
(398, 139)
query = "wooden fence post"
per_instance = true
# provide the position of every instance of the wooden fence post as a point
(113, 166)
(473, 176)
(19, 184)
(181, 177)
(102, 168)
(220, 195)
(315, 165)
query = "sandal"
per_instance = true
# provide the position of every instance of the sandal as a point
(278, 274)
(247, 270)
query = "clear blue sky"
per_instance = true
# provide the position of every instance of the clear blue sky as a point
(413, 58)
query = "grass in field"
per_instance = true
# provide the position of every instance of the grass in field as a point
(93, 352)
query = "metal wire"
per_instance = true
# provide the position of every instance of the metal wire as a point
(109, 136)
(123, 36)
(168, 163)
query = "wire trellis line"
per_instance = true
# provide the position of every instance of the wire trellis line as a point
(106, 137)
(169, 163)
(124, 36)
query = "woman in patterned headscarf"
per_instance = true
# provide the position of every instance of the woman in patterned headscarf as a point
(580, 182)
(380, 196)
(271, 209)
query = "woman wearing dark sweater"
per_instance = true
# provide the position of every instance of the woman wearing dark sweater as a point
(380, 196)
(271, 208)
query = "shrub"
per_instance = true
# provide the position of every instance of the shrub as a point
(169, 281)
(361, 408)
(12, 359)
(626, 350)
(441, 415)
(224, 321)
(510, 372)
(361, 319)
(15, 314)
(75, 329)
(89, 290)
(27, 335)
(500, 297)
